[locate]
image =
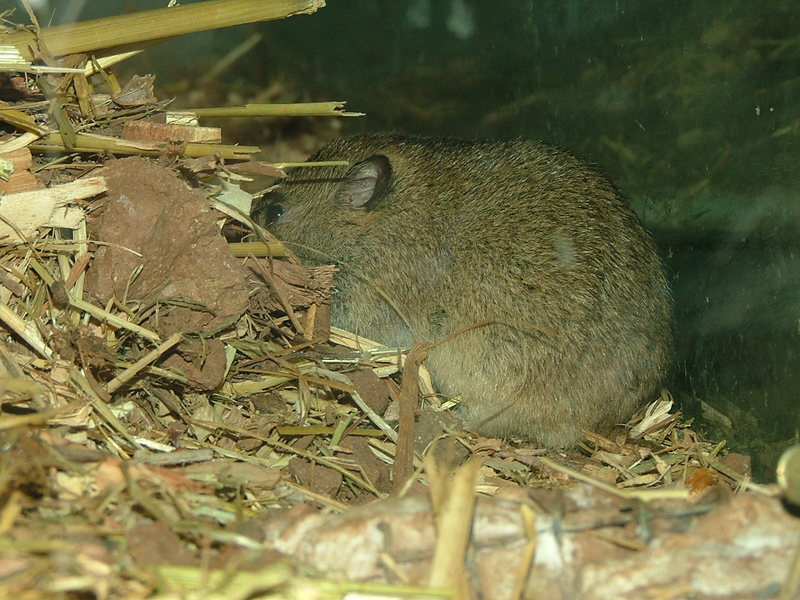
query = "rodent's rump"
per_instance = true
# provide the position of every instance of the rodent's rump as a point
(517, 233)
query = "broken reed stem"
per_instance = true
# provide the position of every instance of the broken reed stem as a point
(153, 25)
(85, 142)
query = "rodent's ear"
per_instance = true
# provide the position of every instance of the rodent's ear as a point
(365, 183)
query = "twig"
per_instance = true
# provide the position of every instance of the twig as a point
(143, 362)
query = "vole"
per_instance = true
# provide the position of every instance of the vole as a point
(540, 249)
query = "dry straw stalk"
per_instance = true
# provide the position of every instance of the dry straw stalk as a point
(153, 25)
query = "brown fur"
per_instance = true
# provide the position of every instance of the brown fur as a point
(516, 231)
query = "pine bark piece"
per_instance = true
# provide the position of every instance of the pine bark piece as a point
(186, 266)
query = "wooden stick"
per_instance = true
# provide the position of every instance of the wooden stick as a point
(409, 394)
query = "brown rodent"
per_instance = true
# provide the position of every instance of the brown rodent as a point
(519, 233)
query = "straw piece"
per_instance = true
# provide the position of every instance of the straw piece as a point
(638, 494)
(86, 142)
(100, 407)
(453, 527)
(21, 120)
(302, 109)
(104, 62)
(303, 165)
(112, 319)
(24, 329)
(153, 25)
(143, 362)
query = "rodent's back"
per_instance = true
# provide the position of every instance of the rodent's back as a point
(515, 232)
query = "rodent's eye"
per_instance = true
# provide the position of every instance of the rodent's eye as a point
(265, 211)
(273, 212)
